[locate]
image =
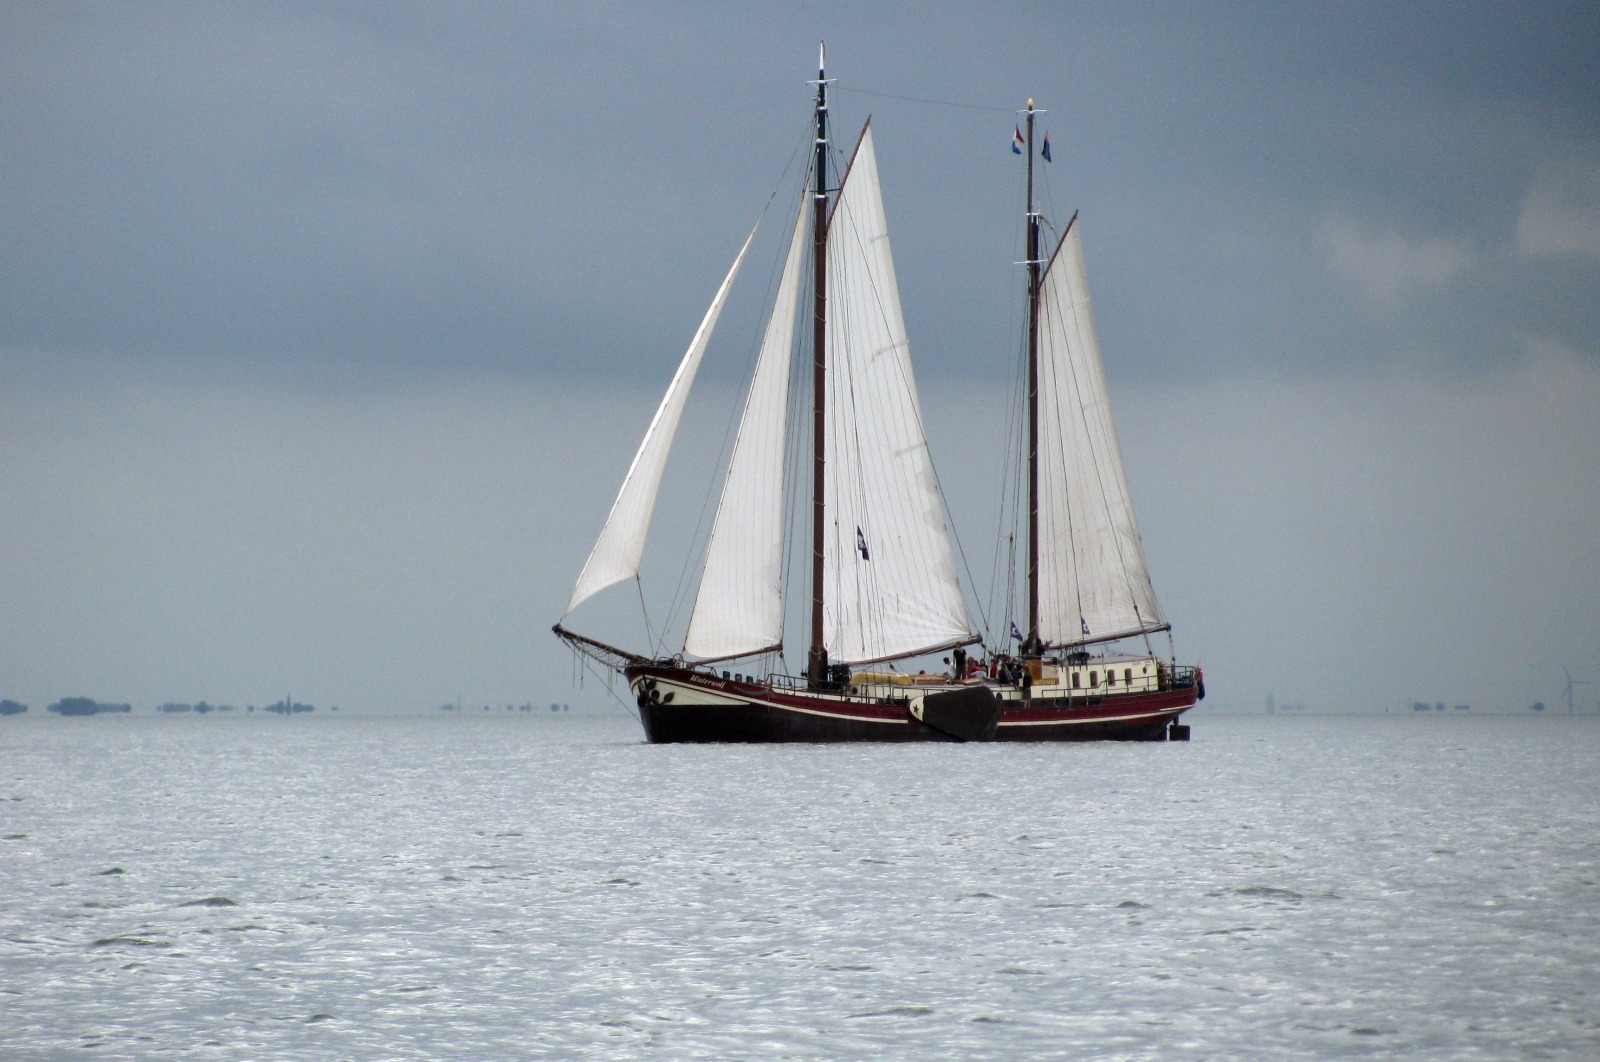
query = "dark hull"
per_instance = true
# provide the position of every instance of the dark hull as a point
(703, 708)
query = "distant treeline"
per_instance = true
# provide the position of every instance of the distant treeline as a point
(90, 706)
(509, 708)
(199, 708)
(287, 706)
(85, 706)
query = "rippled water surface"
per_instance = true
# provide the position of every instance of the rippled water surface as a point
(553, 887)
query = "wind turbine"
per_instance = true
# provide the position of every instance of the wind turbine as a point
(1571, 682)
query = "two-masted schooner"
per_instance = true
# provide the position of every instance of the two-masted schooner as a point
(882, 578)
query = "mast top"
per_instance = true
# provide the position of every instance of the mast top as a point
(822, 64)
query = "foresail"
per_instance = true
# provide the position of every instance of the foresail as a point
(616, 553)
(739, 609)
(890, 577)
(1093, 582)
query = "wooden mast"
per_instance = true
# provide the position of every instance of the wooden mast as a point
(817, 658)
(1032, 645)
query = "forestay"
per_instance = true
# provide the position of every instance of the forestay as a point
(739, 609)
(1093, 582)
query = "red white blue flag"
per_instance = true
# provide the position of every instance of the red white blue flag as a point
(1016, 140)
(1046, 151)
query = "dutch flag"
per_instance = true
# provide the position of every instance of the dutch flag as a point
(1016, 140)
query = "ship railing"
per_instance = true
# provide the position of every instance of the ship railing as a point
(1176, 678)
(864, 692)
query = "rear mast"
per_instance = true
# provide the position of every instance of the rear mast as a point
(1032, 645)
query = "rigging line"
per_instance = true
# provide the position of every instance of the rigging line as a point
(900, 365)
(843, 422)
(1112, 450)
(844, 418)
(1012, 474)
(904, 367)
(588, 666)
(795, 423)
(1009, 473)
(797, 461)
(1099, 437)
(1050, 304)
(923, 99)
(649, 629)
(696, 548)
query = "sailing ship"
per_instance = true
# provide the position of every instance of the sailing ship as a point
(882, 581)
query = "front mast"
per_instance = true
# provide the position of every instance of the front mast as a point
(817, 659)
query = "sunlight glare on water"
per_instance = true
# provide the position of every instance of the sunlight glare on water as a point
(364, 888)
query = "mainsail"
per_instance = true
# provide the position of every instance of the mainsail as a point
(1093, 582)
(616, 554)
(890, 577)
(739, 609)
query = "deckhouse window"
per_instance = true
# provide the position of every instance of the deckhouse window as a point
(1077, 678)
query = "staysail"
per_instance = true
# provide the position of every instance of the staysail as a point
(1093, 581)
(890, 576)
(739, 609)
(616, 553)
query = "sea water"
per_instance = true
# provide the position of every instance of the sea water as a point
(506, 887)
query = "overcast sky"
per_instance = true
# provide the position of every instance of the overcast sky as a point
(327, 330)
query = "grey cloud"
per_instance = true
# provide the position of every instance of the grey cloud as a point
(378, 191)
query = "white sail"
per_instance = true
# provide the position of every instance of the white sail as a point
(739, 609)
(1093, 582)
(890, 577)
(616, 553)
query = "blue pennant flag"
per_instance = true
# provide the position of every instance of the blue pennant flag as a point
(861, 543)
(1016, 635)
(1046, 151)
(1085, 624)
(1016, 140)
